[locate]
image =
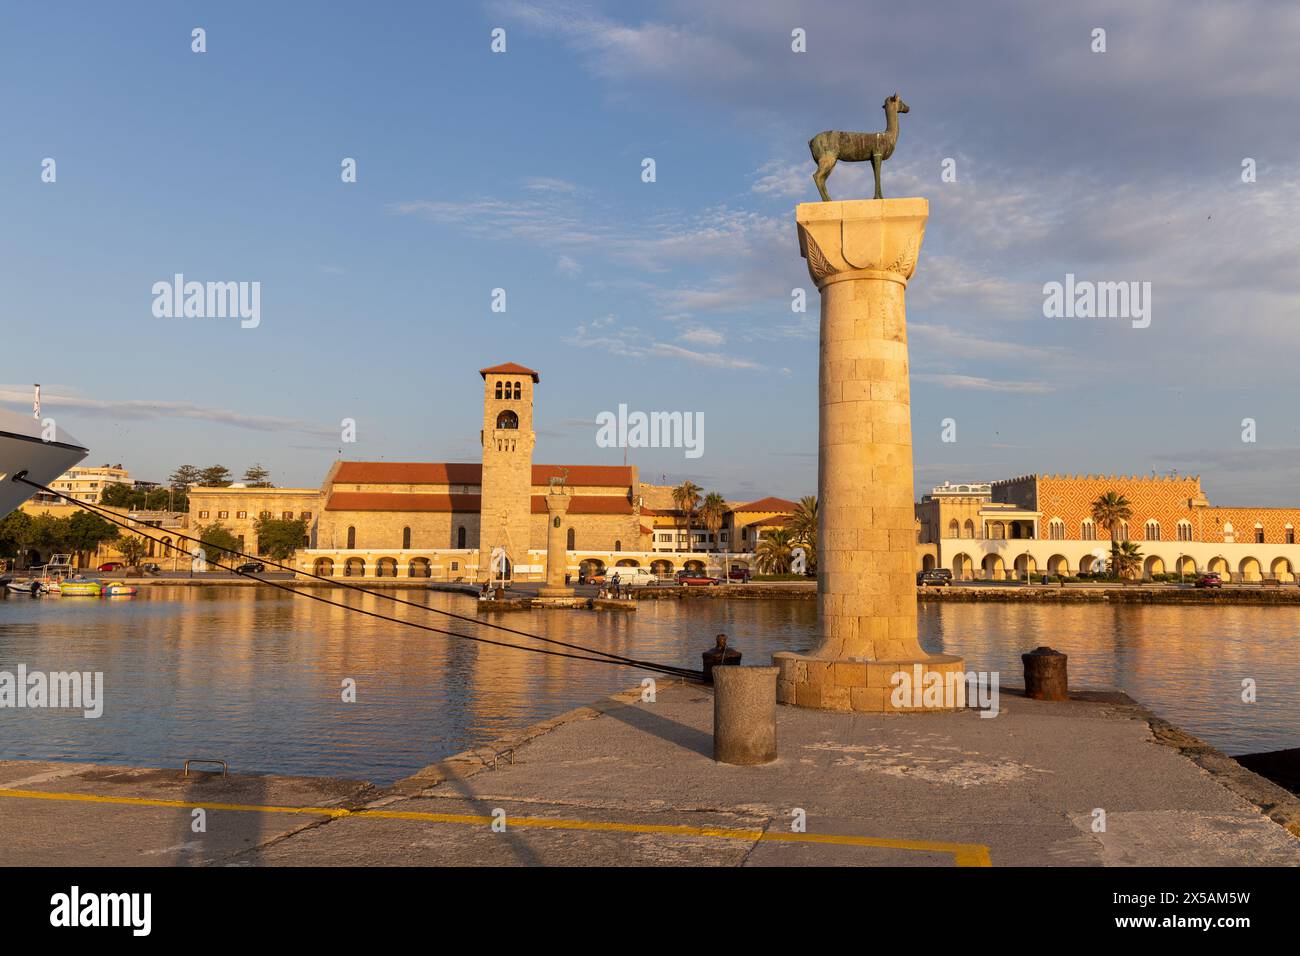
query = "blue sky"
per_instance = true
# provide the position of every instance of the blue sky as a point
(522, 171)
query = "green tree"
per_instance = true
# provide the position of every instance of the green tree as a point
(215, 476)
(255, 476)
(183, 477)
(713, 512)
(214, 537)
(775, 550)
(686, 497)
(86, 532)
(1126, 561)
(278, 538)
(50, 533)
(132, 548)
(1110, 511)
(15, 534)
(803, 528)
(121, 496)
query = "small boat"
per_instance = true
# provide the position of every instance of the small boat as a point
(78, 588)
(34, 588)
(118, 589)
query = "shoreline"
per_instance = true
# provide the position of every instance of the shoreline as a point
(1256, 595)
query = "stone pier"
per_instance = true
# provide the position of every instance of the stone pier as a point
(861, 255)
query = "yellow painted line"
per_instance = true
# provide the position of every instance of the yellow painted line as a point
(964, 854)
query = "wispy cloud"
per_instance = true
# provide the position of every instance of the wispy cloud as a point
(977, 384)
(142, 409)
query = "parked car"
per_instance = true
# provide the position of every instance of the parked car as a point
(1210, 579)
(629, 577)
(696, 579)
(939, 577)
(251, 567)
(739, 574)
(112, 566)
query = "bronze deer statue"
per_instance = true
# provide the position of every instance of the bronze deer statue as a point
(832, 145)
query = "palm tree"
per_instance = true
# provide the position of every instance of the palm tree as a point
(1127, 560)
(1110, 511)
(774, 551)
(686, 497)
(713, 511)
(803, 527)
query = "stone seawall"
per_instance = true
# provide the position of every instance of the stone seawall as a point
(744, 592)
(1120, 595)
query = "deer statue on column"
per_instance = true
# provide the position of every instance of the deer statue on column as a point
(831, 146)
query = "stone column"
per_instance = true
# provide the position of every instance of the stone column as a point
(557, 555)
(861, 254)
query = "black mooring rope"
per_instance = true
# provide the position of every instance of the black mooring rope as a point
(606, 657)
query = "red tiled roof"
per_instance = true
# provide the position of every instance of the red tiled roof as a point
(778, 521)
(768, 504)
(612, 476)
(509, 368)
(386, 501)
(588, 505)
(409, 472)
(471, 473)
(645, 530)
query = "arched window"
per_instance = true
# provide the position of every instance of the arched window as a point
(954, 529)
(518, 391)
(1152, 531)
(1290, 534)
(352, 537)
(507, 419)
(1184, 530)
(406, 539)
(618, 545)
(1056, 529)
(1088, 530)
(1122, 531)
(1259, 533)
(572, 539)
(498, 393)
(968, 530)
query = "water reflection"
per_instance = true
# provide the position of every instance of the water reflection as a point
(255, 677)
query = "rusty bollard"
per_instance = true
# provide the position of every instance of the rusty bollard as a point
(720, 653)
(1045, 674)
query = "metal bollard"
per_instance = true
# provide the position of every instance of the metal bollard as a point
(744, 715)
(1045, 674)
(720, 653)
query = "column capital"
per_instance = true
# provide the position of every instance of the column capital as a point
(557, 504)
(862, 238)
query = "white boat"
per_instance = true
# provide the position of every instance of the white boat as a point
(27, 445)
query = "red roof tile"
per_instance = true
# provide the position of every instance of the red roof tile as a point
(612, 476)
(588, 505)
(777, 521)
(768, 504)
(409, 472)
(386, 501)
(471, 473)
(509, 368)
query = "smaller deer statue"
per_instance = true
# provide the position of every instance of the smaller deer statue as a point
(832, 145)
